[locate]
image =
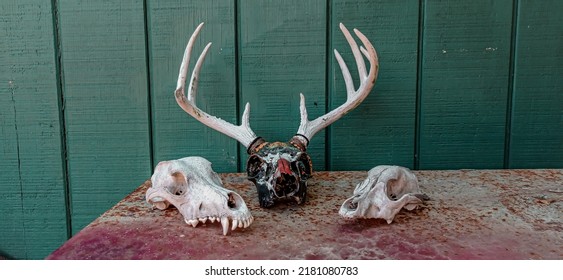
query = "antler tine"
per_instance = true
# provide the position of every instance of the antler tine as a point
(181, 84)
(242, 133)
(354, 97)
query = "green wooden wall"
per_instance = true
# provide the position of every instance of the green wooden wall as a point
(87, 107)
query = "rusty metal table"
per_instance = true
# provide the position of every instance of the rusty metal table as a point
(472, 214)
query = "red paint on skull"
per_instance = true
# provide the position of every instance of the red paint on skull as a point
(283, 166)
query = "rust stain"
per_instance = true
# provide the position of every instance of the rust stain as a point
(472, 214)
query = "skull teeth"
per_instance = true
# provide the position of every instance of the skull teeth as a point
(193, 223)
(226, 223)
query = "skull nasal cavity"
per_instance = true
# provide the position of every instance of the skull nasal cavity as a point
(284, 166)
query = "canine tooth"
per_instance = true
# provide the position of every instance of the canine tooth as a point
(203, 220)
(225, 225)
(235, 224)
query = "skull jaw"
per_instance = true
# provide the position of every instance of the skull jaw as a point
(219, 205)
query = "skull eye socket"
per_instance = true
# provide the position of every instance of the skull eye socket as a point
(180, 184)
(254, 167)
(303, 166)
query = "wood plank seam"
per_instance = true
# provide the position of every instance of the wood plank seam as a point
(328, 84)
(62, 120)
(148, 63)
(238, 83)
(418, 98)
(511, 81)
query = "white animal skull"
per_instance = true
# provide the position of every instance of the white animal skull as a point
(197, 192)
(385, 191)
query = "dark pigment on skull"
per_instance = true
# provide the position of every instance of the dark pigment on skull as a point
(279, 170)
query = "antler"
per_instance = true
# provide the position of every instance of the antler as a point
(309, 128)
(241, 133)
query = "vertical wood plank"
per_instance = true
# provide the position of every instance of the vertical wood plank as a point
(465, 66)
(175, 133)
(537, 116)
(381, 129)
(106, 110)
(282, 54)
(33, 219)
(11, 224)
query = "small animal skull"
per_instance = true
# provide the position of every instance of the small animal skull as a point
(385, 191)
(197, 192)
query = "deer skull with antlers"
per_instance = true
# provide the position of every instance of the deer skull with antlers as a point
(280, 169)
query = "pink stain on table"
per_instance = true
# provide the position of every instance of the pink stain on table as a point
(472, 214)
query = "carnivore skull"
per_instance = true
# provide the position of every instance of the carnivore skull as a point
(386, 190)
(198, 193)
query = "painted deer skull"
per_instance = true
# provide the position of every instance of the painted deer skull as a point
(280, 169)
(197, 192)
(385, 191)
